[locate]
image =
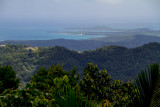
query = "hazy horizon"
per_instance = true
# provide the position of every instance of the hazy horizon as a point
(79, 12)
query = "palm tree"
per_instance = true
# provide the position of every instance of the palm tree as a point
(148, 84)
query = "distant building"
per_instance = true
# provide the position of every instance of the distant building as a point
(2, 45)
(32, 48)
(29, 48)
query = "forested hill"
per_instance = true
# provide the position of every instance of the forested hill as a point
(120, 62)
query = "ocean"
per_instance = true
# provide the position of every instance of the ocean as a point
(48, 32)
(38, 33)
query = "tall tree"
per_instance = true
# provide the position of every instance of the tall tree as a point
(54, 78)
(8, 78)
(95, 83)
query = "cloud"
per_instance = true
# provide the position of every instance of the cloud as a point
(82, 11)
(111, 1)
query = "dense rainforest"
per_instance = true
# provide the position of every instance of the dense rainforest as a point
(55, 87)
(56, 76)
(120, 62)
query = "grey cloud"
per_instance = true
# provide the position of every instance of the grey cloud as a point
(82, 11)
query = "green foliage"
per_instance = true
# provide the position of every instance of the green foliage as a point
(8, 78)
(148, 85)
(74, 98)
(155, 101)
(68, 97)
(54, 78)
(121, 63)
(48, 86)
(121, 92)
(98, 85)
(95, 83)
(18, 57)
(26, 98)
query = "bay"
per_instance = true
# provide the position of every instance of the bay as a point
(38, 33)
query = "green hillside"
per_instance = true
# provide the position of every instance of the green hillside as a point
(120, 62)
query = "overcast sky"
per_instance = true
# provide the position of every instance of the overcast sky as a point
(80, 12)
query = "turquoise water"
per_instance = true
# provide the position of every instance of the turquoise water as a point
(41, 32)
(38, 33)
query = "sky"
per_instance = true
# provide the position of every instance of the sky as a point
(79, 12)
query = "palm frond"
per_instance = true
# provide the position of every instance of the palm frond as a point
(155, 102)
(148, 84)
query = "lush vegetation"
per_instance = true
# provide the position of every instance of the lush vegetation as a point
(59, 88)
(45, 85)
(120, 62)
(8, 78)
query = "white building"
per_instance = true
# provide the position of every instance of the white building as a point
(2, 45)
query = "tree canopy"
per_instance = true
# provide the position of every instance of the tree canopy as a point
(8, 78)
(54, 78)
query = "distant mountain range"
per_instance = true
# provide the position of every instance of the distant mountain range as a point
(129, 41)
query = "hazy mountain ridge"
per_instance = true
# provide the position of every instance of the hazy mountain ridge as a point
(131, 41)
